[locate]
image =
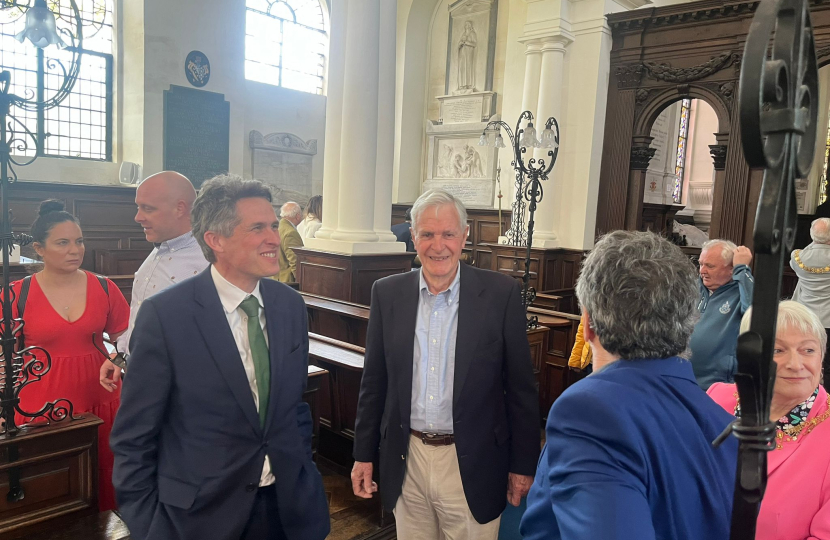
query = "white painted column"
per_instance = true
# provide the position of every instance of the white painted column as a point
(550, 104)
(353, 147)
(533, 66)
(386, 122)
(334, 119)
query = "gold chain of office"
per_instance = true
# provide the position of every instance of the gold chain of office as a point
(812, 270)
(803, 430)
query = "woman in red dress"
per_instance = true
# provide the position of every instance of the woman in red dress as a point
(64, 307)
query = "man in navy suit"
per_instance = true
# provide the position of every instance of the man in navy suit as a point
(628, 452)
(212, 440)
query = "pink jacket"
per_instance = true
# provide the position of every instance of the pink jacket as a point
(796, 505)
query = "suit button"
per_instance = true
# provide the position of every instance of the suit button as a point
(250, 487)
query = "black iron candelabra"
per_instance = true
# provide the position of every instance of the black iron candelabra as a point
(530, 174)
(24, 365)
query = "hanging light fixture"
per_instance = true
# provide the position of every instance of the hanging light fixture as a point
(40, 27)
(483, 141)
(549, 139)
(529, 139)
(499, 141)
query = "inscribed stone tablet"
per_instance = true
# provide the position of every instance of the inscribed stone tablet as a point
(196, 133)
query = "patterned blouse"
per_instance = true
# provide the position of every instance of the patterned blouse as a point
(791, 423)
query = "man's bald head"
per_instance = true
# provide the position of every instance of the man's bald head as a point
(164, 202)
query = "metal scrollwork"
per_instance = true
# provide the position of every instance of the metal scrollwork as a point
(20, 366)
(529, 177)
(779, 107)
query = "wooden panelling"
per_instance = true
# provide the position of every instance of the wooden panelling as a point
(57, 468)
(347, 277)
(337, 319)
(701, 44)
(552, 271)
(119, 262)
(106, 214)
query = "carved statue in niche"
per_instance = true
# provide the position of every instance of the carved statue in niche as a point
(467, 59)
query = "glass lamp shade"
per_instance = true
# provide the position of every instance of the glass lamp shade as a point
(529, 139)
(483, 140)
(40, 27)
(549, 139)
(499, 141)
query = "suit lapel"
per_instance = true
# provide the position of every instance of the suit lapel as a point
(277, 342)
(405, 308)
(471, 317)
(214, 328)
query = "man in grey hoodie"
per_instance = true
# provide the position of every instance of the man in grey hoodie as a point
(726, 286)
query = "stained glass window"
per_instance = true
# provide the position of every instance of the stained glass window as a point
(286, 44)
(682, 139)
(81, 126)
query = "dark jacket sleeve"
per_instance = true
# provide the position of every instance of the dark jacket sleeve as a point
(372, 387)
(521, 394)
(134, 437)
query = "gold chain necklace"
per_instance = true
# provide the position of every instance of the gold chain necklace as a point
(803, 429)
(811, 269)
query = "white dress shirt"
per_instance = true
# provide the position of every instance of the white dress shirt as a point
(231, 296)
(169, 263)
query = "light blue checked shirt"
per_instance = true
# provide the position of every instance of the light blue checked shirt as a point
(169, 263)
(433, 358)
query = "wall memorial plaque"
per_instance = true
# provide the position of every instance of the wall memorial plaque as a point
(197, 68)
(196, 133)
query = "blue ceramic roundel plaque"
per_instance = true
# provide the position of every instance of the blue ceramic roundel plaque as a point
(197, 68)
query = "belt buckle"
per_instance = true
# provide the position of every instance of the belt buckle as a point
(426, 438)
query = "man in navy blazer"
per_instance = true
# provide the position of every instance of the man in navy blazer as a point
(628, 453)
(212, 439)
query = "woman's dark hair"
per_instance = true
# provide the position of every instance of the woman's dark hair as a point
(51, 213)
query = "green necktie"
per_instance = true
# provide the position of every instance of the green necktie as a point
(259, 351)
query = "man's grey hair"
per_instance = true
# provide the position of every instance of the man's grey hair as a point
(435, 198)
(820, 231)
(727, 248)
(640, 292)
(291, 210)
(215, 208)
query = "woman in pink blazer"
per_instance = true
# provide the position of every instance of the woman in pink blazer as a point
(796, 505)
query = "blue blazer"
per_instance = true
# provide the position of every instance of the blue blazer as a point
(629, 456)
(187, 440)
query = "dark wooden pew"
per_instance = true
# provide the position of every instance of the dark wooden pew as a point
(343, 321)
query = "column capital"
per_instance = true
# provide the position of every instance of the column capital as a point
(549, 39)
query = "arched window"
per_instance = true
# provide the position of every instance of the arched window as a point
(81, 126)
(286, 44)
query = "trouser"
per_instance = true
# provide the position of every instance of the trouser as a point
(264, 522)
(432, 505)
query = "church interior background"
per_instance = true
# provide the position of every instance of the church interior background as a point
(371, 103)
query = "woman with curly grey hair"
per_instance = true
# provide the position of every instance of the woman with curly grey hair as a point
(628, 451)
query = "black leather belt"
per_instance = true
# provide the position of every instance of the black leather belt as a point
(434, 439)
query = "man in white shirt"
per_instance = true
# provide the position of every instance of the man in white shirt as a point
(212, 439)
(164, 202)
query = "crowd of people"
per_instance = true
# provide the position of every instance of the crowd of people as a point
(207, 436)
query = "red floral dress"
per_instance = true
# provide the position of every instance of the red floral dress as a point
(76, 363)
